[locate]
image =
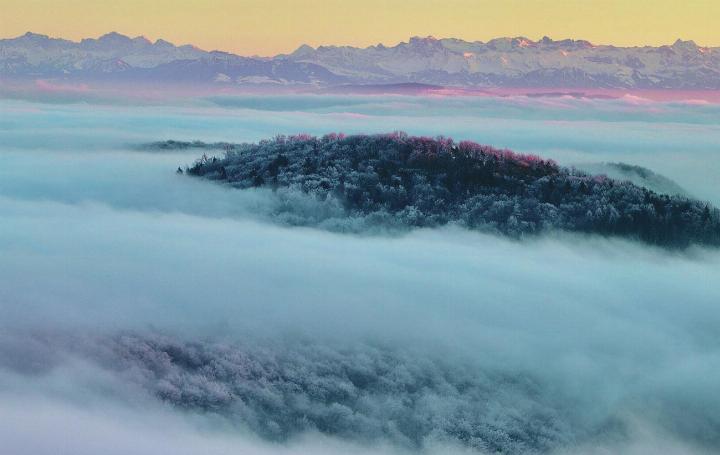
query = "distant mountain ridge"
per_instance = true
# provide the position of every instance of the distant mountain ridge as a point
(117, 58)
(501, 62)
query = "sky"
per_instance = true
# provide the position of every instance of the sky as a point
(269, 27)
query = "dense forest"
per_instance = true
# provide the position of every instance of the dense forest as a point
(364, 393)
(409, 181)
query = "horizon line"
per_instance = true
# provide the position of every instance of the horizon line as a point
(379, 44)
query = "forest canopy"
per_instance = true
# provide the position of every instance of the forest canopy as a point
(404, 181)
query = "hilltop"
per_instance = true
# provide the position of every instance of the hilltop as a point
(401, 181)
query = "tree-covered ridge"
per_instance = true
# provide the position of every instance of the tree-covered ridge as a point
(363, 393)
(421, 181)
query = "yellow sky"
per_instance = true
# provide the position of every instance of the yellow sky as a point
(266, 27)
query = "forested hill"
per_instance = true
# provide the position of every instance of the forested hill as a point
(403, 180)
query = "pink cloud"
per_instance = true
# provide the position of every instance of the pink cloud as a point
(51, 87)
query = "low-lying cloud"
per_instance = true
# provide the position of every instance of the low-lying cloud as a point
(125, 287)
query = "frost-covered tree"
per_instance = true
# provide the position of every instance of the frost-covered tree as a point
(402, 180)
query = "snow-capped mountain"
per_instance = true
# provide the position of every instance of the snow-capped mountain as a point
(33, 53)
(117, 58)
(502, 62)
(521, 62)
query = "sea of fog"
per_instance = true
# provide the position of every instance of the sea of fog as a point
(147, 312)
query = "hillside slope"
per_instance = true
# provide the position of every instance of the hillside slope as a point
(396, 180)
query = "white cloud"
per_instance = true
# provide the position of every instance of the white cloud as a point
(98, 238)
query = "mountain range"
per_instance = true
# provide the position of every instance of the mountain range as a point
(503, 62)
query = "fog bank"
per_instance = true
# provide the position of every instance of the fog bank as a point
(147, 312)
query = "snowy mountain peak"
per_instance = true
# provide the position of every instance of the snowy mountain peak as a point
(114, 37)
(163, 43)
(508, 43)
(501, 62)
(302, 51)
(423, 39)
(684, 45)
(34, 37)
(142, 40)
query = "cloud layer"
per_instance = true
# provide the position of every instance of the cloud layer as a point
(110, 263)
